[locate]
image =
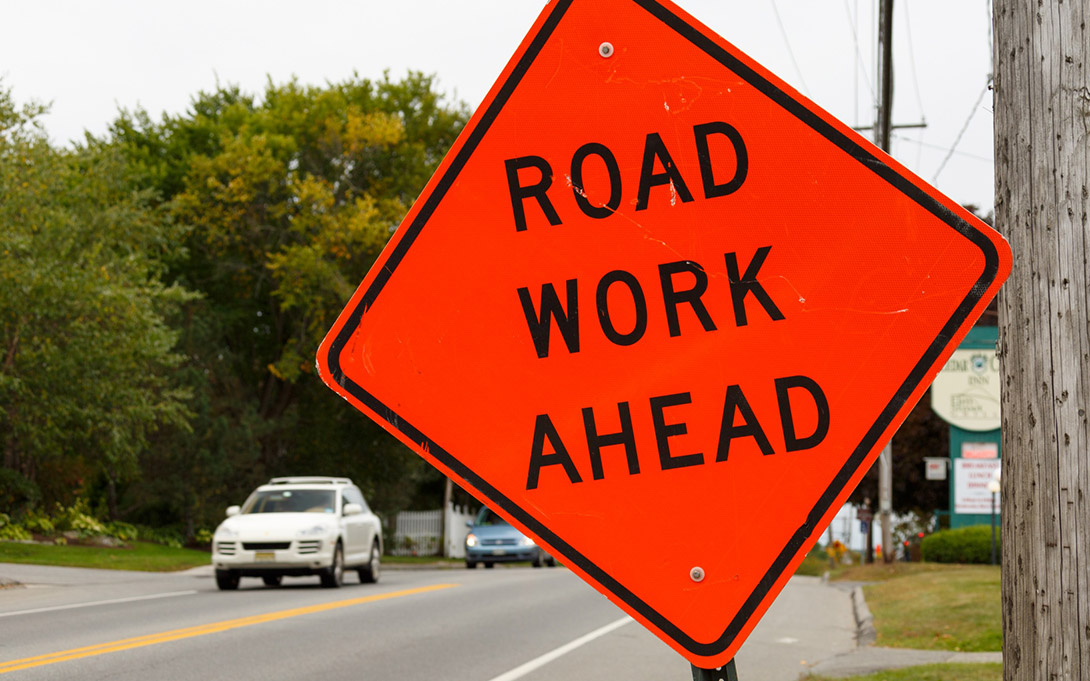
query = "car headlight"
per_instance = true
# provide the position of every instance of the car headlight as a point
(526, 541)
(471, 539)
(225, 533)
(316, 531)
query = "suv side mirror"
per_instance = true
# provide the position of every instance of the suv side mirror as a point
(233, 510)
(353, 509)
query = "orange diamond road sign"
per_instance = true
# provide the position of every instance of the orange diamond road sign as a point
(661, 312)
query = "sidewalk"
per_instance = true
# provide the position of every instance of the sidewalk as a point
(868, 658)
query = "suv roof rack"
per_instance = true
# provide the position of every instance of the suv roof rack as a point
(310, 480)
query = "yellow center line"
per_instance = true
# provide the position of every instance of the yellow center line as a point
(201, 630)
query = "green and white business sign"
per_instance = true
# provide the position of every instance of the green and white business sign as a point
(965, 394)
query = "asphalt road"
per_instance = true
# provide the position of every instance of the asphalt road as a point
(494, 625)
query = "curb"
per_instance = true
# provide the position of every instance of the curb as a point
(865, 634)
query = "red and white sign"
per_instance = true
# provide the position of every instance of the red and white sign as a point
(644, 310)
(980, 450)
(971, 478)
(935, 467)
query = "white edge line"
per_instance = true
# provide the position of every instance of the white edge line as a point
(94, 603)
(524, 669)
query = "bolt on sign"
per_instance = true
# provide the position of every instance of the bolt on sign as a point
(661, 312)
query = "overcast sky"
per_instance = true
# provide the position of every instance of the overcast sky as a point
(90, 59)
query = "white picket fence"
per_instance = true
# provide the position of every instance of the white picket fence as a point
(420, 533)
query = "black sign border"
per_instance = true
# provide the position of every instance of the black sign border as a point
(851, 466)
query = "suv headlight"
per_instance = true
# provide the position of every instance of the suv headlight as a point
(225, 533)
(471, 539)
(526, 541)
(316, 531)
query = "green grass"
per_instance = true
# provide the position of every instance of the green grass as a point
(880, 572)
(149, 557)
(932, 606)
(930, 672)
(139, 556)
(815, 564)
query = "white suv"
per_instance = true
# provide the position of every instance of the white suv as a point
(298, 526)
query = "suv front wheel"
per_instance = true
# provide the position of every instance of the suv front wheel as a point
(369, 573)
(227, 580)
(333, 577)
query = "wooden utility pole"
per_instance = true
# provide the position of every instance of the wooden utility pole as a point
(884, 114)
(1042, 170)
(882, 129)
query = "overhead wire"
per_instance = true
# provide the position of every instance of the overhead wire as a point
(991, 45)
(938, 147)
(790, 52)
(855, 77)
(912, 58)
(860, 63)
(961, 133)
(915, 78)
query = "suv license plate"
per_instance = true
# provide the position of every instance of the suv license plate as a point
(264, 556)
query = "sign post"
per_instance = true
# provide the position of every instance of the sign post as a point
(728, 672)
(650, 295)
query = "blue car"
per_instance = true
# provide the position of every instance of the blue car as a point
(492, 540)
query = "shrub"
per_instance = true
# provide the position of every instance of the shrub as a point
(12, 531)
(76, 523)
(17, 493)
(38, 523)
(963, 545)
(122, 531)
(167, 536)
(77, 518)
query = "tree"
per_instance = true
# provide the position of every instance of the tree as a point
(87, 354)
(286, 202)
(923, 434)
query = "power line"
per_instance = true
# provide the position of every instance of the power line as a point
(915, 75)
(939, 147)
(860, 64)
(912, 58)
(972, 112)
(855, 74)
(991, 45)
(787, 42)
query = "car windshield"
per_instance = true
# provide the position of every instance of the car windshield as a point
(488, 517)
(291, 501)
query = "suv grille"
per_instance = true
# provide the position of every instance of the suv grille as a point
(265, 545)
(498, 542)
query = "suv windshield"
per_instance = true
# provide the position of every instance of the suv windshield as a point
(291, 501)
